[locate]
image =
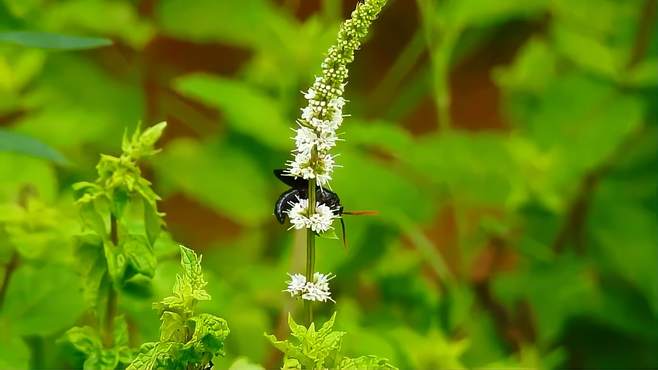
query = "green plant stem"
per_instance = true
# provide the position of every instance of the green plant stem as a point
(310, 249)
(9, 270)
(111, 308)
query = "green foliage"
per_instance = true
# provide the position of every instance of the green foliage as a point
(188, 340)
(521, 234)
(120, 210)
(17, 143)
(52, 41)
(320, 349)
(88, 341)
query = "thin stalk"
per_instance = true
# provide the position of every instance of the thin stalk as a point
(111, 308)
(310, 249)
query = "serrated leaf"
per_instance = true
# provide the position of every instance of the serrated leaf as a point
(296, 330)
(366, 362)
(18, 143)
(85, 339)
(191, 283)
(209, 334)
(53, 41)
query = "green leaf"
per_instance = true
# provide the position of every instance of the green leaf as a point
(14, 352)
(139, 254)
(91, 217)
(173, 327)
(116, 263)
(247, 109)
(366, 362)
(152, 222)
(296, 330)
(18, 143)
(244, 364)
(85, 339)
(210, 332)
(588, 52)
(37, 295)
(192, 274)
(92, 267)
(329, 234)
(53, 41)
(121, 338)
(199, 171)
(256, 23)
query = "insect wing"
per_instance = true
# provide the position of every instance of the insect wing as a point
(293, 182)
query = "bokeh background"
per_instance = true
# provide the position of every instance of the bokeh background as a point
(510, 148)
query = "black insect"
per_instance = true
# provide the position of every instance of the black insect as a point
(299, 190)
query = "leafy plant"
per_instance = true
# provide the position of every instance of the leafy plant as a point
(119, 212)
(98, 356)
(320, 349)
(188, 340)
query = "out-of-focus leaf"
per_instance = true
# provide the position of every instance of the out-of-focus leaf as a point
(113, 107)
(381, 135)
(533, 69)
(474, 167)
(483, 12)
(244, 364)
(117, 19)
(37, 295)
(21, 8)
(644, 74)
(18, 143)
(19, 173)
(588, 52)
(140, 255)
(14, 352)
(222, 177)
(552, 307)
(247, 110)
(367, 184)
(53, 41)
(255, 23)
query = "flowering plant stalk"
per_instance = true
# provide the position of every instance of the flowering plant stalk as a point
(315, 136)
(313, 206)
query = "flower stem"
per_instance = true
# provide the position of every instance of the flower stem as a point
(310, 249)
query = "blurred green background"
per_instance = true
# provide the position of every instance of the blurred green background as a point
(510, 148)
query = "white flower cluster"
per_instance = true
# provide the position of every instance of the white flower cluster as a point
(319, 222)
(316, 133)
(317, 290)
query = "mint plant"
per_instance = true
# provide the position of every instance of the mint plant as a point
(188, 340)
(320, 349)
(316, 212)
(115, 253)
